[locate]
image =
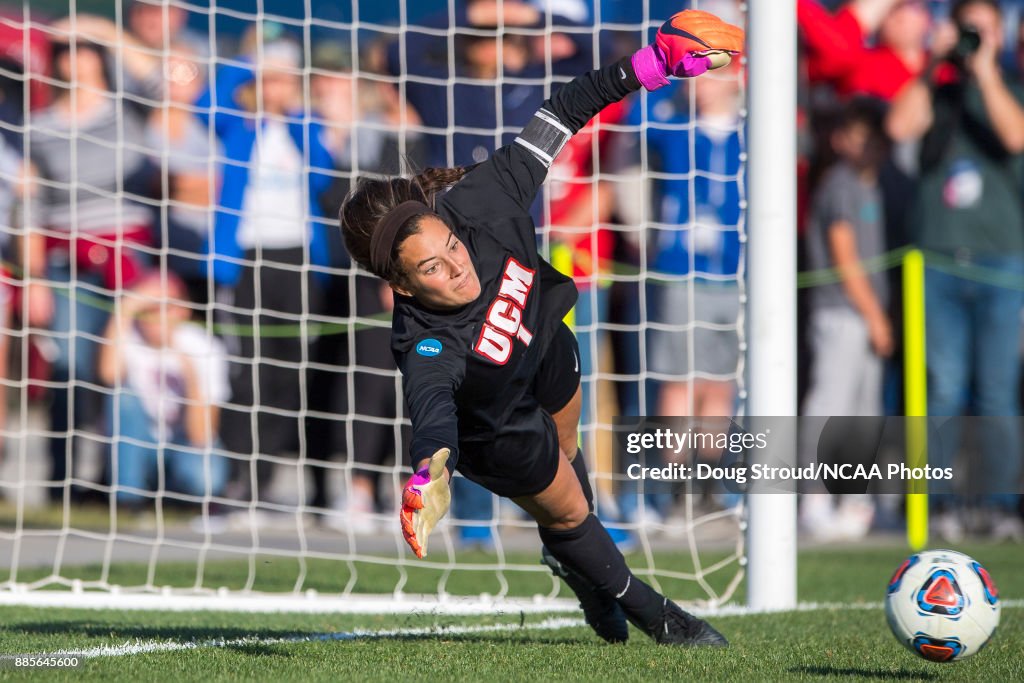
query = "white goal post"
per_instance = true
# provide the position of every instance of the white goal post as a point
(772, 269)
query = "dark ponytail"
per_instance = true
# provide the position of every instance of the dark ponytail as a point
(374, 198)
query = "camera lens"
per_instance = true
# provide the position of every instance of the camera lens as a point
(968, 41)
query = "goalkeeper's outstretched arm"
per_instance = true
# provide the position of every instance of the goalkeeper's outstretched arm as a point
(687, 45)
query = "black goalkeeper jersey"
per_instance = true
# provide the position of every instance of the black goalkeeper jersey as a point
(467, 372)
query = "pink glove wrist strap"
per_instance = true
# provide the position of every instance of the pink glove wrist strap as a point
(652, 70)
(649, 67)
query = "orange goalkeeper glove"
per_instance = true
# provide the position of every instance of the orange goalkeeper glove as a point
(425, 500)
(688, 44)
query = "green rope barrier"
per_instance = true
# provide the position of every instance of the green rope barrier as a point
(805, 280)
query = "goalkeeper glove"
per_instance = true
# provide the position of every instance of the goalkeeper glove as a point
(425, 500)
(688, 44)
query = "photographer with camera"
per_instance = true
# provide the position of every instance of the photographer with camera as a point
(969, 219)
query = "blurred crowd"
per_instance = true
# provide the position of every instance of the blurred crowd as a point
(914, 128)
(176, 295)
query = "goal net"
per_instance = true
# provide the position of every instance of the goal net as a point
(200, 406)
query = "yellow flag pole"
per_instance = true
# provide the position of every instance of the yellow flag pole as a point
(915, 381)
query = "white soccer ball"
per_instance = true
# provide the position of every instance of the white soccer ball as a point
(942, 605)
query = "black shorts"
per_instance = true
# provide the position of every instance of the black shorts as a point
(558, 376)
(523, 459)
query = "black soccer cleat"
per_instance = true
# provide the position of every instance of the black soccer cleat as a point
(678, 627)
(600, 610)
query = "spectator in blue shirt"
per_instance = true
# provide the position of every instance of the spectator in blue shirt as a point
(696, 248)
(268, 232)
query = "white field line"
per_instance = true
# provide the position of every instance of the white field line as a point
(310, 602)
(140, 647)
(550, 624)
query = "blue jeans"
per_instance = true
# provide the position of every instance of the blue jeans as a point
(80, 315)
(135, 456)
(973, 344)
(474, 504)
(633, 304)
(591, 311)
(637, 302)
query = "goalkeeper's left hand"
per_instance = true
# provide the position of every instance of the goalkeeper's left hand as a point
(425, 500)
(688, 44)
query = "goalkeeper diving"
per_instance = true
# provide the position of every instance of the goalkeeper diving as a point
(490, 371)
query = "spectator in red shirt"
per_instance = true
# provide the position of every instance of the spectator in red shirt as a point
(839, 54)
(581, 203)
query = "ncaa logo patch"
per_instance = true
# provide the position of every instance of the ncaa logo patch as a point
(429, 348)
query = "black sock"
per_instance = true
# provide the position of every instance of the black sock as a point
(579, 466)
(590, 552)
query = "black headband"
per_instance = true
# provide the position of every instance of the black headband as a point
(384, 236)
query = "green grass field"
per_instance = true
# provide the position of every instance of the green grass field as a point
(843, 643)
